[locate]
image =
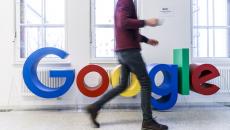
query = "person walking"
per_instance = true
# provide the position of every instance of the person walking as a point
(128, 53)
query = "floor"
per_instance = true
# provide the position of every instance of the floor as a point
(179, 118)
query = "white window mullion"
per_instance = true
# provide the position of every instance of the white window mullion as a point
(214, 41)
(198, 33)
(93, 30)
(207, 28)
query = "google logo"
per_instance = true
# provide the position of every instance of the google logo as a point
(179, 77)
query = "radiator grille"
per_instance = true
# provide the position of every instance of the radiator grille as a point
(223, 80)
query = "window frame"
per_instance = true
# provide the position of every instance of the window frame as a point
(16, 41)
(93, 26)
(210, 60)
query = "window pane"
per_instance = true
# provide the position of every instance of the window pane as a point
(104, 12)
(55, 37)
(212, 43)
(221, 10)
(202, 43)
(104, 42)
(54, 12)
(202, 14)
(221, 43)
(210, 12)
(30, 40)
(31, 11)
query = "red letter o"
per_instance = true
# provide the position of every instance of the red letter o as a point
(99, 89)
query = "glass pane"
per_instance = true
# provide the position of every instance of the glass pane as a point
(202, 13)
(210, 12)
(55, 11)
(222, 42)
(104, 42)
(104, 12)
(221, 9)
(30, 40)
(211, 48)
(31, 11)
(202, 43)
(55, 37)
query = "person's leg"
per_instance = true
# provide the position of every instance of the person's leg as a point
(117, 90)
(95, 107)
(136, 64)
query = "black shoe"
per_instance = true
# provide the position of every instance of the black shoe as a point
(153, 125)
(93, 112)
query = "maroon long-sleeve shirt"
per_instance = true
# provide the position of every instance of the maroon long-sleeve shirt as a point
(127, 26)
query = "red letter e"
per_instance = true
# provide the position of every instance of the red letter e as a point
(199, 75)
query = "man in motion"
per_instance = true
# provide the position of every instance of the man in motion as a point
(128, 52)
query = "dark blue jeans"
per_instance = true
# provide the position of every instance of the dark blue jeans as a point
(131, 61)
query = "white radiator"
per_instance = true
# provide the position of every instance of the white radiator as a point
(223, 81)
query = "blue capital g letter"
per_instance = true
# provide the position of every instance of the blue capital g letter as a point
(31, 78)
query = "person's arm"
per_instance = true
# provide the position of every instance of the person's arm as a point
(143, 38)
(146, 40)
(124, 20)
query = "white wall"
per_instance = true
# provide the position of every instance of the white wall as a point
(175, 33)
(6, 50)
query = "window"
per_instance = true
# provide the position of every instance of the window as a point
(40, 23)
(102, 29)
(211, 30)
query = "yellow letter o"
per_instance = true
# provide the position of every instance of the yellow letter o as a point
(134, 87)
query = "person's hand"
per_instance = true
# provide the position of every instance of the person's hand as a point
(152, 22)
(153, 42)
